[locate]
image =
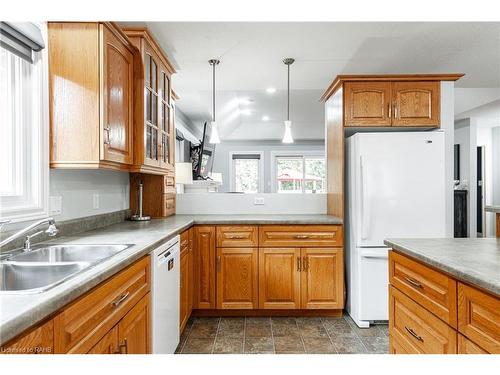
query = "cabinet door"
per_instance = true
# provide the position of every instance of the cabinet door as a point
(191, 273)
(164, 118)
(134, 329)
(204, 255)
(465, 346)
(184, 290)
(151, 105)
(279, 278)
(237, 278)
(416, 103)
(322, 278)
(108, 344)
(117, 99)
(38, 340)
(367, 104)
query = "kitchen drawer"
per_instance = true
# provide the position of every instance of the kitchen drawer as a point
(479, 317)
(300, 236)
(465, 346)
(416, 329)
(168, 204)
(432, 289)
(37, 340)
(169, 184)
(237, 236)
(397, 347)
(85, 321)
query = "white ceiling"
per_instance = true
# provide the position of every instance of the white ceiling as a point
(251, 60)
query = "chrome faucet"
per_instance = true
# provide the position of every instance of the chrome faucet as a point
(51, 231)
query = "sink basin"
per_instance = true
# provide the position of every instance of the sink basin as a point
(36, 277)
(69, 253)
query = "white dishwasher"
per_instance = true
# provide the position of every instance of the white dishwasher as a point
(165, 275)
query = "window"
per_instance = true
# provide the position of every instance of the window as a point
(299, 174)
(24, 136)
(246, 172)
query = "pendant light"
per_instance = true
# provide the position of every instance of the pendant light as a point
(214, 136)
(287, 137)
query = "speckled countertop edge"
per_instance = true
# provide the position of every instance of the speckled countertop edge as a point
(482, 273)
(19, 312)
(492, 209)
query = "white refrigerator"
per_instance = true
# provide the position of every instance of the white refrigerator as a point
(395, 188)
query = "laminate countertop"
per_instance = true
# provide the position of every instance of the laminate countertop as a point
(475, 261)
(19, 312)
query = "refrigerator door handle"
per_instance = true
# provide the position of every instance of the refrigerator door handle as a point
(364, 213)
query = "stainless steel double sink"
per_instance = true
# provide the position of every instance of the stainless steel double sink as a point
(47, 266)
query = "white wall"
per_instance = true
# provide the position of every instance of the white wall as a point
(240, 204)
(447, 125)
(222, 154)
(77, 188)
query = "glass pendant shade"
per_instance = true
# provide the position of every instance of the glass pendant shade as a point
(287, 137)
(214, 136)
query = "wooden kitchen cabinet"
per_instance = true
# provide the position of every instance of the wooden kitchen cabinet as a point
(204, 267)
(416, 103)
(279, 278)
(134, 329)
(465, 346)
(38, 340)
(237, 278)
(108, 344)
(367, 103)
(90, 127)
(322, 278)
(154, 130)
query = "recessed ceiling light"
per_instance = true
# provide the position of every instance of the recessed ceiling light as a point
(265, 118)
(270, 90)
(245, 112)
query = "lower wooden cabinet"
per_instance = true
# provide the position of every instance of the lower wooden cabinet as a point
(133, 329)
(465, 346)
(108, 344)
(38, 340)
(416, 329)
(322, 278)
(186, 278)
(204, 267)
(237, 278)
(279, 278)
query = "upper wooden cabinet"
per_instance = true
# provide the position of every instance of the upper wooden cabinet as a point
(91, 84)
(367, 103)
(416, 103)
(392, 104)
(153, 106)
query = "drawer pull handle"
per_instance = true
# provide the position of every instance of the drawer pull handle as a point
(301, 236)
(305, 264)
(412, 332)
(237, 237)
(414, 283)
(119, 301)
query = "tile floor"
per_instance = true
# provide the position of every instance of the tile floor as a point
(281, 335)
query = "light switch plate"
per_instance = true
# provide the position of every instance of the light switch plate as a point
(95, 201)
(258, 201)
(55, 205)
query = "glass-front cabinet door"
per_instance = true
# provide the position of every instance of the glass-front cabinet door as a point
(151, 92)
(164, 120)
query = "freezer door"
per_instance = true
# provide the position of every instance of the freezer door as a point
(397, 186)
(374, 280)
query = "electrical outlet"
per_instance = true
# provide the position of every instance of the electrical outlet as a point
(55, 205)
(95, 201)
(258, 201)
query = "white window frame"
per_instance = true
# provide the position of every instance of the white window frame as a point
(30, 201)
(293, 154)
(232, 172)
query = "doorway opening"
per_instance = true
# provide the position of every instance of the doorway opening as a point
(481, 221)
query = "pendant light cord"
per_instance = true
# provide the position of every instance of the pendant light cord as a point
(213, 93)
(288, 95)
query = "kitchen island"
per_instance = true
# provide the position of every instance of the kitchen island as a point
(444, 295)
(495, 209)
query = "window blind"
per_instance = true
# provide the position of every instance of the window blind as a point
(246, 156)
(21, 38)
